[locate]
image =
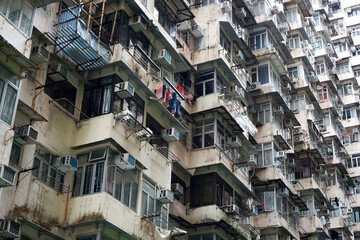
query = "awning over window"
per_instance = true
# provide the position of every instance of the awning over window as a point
(28, 111)
(183, 11)
(12, 53)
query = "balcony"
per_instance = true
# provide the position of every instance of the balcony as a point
(130, 135)
(208, 215)
(275, 220)
(312, 183)
(304, 5)
(355, 197)
(339, 223)
(350, 99)
(346, 76)
(273, 172)
(73, 34)
(311, 224)
(351, 122)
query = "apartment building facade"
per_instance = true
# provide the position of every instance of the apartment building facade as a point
(199, 120)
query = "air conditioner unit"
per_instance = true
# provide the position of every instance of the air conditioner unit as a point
(58, 73)
(252, 160)
(296, 210)
(226, 6)
(67, 164)
(234, 141)
(39, 54)
(298, 130)
(283, 191)
(240, 12)
(26, 134)
(7, 176)
(124, 90)
(231, 209)
(123, 115)
(197, 31)
(170, 135)
(177, 189)
(280, 155)
(9, 229)
(349, 211)
(125, 161)
(184, 26)
(138, 23)
(255, 85)
(299, 139)
(310, 107)
(165, 196)
(254, 211)
(343, 204)
(164, 57)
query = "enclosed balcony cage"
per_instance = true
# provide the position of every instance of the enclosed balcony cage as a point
(79, 32)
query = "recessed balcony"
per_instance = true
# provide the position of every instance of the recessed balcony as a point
(311, 224)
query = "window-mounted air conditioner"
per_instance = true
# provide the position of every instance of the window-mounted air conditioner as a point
(226, 6)
(39, 54)
(125, 161)
(165, 196)
(124, 90)
(298, 130)
(234, 141)
(58, 73)
(283, 191)
(231, 209)
(184, 26)
(177, 189)
(124, 115)
(164, 57)
(197, 31)
(298, 138)
(252, 160)
(67, 164)
(255, 86)
(138, 23)
(7, 176)
(9, 229)
(26, 134)
(170, 135)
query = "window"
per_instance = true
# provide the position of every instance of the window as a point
(265, 156)
(123, 185)
(320, 67)
(340, 47)
(20, 13)
(89, 176)
(258, 40)
(327, 119)
(357, 73)
(318, 44)
(259, 8)
(323, 93)
(294, 41)
(316, 19)
(62, 90)
(225, 44)
(354, 12)
(166, 17)
(199, 42)
(204, 134)
(264, 112)
(260, 74)
(349, 113)
(354, 161)
(46, 171)
(346, 89)
(343, 68)
(356, 52)
(356, 215)
(9, 86)
(355, 30)
(309, 201)
(208, 82)
(298, 102)
(293, 72)
(291, 15)
(149, 204)
(15, 154)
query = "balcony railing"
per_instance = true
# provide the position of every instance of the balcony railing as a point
(144, 60)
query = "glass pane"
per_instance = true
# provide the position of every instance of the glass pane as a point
(144, 198)
(99, 177)
(15, 154)
(209, 139)
(9, 105)
(77, 181)
(88, 179)
(134, 190)
(209, 87)
(126, 197)
(14, 14)
(3, 6)
(36, 171)
(26, 19)
(118, 185)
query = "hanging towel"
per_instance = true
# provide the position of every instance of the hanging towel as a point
(159, 90)
(179, 87)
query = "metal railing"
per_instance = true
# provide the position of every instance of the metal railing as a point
(64, 110)
(55, 184)
(144, 60)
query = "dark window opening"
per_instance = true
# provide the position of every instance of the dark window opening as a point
(157, 142)
(167, 17)
(63, 92)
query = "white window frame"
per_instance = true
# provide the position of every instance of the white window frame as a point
(266, 150)
(320, 67)
(299, 102)
(294, 41)
(323, 93)
(292, 14)
(260, 40)
(266, 109)
(349, 112)
(346, 89)
(21, 14)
